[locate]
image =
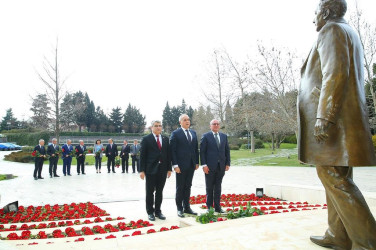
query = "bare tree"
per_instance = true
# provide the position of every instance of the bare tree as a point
(217, 92)
(51, 78)
(275, 72)
(367, 36)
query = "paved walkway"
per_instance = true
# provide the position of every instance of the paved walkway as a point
(112, 187)
(123, 195)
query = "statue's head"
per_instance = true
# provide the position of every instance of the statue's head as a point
(329, 10)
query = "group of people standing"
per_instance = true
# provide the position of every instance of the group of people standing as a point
(160, 154)
(67, 152)
(111, 152)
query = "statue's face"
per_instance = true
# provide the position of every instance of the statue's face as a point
(319, 20)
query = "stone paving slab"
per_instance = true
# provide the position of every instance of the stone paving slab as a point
(112, 187)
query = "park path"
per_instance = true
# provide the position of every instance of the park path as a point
(254, 160)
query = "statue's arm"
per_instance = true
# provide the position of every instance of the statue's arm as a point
(333, 48)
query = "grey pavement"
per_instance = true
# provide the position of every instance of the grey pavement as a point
(104, 187)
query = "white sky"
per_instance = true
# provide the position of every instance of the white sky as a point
(145, 52)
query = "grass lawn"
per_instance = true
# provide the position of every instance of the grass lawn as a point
(90, 159)
(267, 157)
(2, 177)
(245, 153)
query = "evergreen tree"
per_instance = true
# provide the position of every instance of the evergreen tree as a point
(134, 121)
(9, 121)
(89, 112)
(166, 118)
(116, 118)
(41, 112)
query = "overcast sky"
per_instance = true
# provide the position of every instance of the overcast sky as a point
(141, 52)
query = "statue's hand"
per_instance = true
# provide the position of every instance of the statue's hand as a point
(321, 130)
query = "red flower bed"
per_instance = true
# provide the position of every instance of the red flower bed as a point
(71, 232)
(199, 199)
(51, 213)
(54, 224)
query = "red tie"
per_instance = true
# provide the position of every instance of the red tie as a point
(159, 143)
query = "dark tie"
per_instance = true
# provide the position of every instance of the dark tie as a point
(159, 143)
(216, 139)
(188, 136)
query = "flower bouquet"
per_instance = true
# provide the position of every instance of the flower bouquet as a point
(117, 162)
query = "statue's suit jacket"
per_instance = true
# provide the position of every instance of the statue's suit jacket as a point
(332, 88)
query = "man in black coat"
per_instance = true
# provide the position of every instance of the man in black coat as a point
(215, 160)
(185, 160)
(53, 152)
(124, 154)
(39, 160)
(155, 165)
(80, 156)
(111, 153)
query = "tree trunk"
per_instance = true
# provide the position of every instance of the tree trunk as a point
(273, 145)
(252, 142)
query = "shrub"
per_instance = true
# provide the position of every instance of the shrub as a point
(374, 140)
(291, 139)
(20, 156)
(258, 144)
(234, 147)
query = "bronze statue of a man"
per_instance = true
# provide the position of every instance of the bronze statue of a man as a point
(334, 132)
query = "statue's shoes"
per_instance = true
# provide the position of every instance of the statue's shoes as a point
(326, 242)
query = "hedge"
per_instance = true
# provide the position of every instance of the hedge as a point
(99, 134)
(27, 138)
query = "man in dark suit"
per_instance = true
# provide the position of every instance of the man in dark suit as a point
(155, 164)
(39, 160)
(111, 153)
(334, 131)
(66, 150)
(135, 154)
(185, 160)
(215, 160)
(124, 154)
(53, 152)
(80, 156)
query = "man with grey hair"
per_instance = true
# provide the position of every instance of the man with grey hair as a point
(334, 130)
(66, 152)
(111, 153)
(185, 160)
(215, 160)
(53, 152)
(80, 156)
(135, 154)
(155, 166)
(39, 159)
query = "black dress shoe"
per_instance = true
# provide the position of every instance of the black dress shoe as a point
(181, 214)
(50, 175)
(219, 211)
(69, 174)
(56, 175)
(189, 211)
(109, 171)
(151, 217)
(122, 172)
(40, 178)
(65, 174)
(78, 173)
(113, 172)
(160, 216)
(326, 242)
(84, 173)
(35, 178)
